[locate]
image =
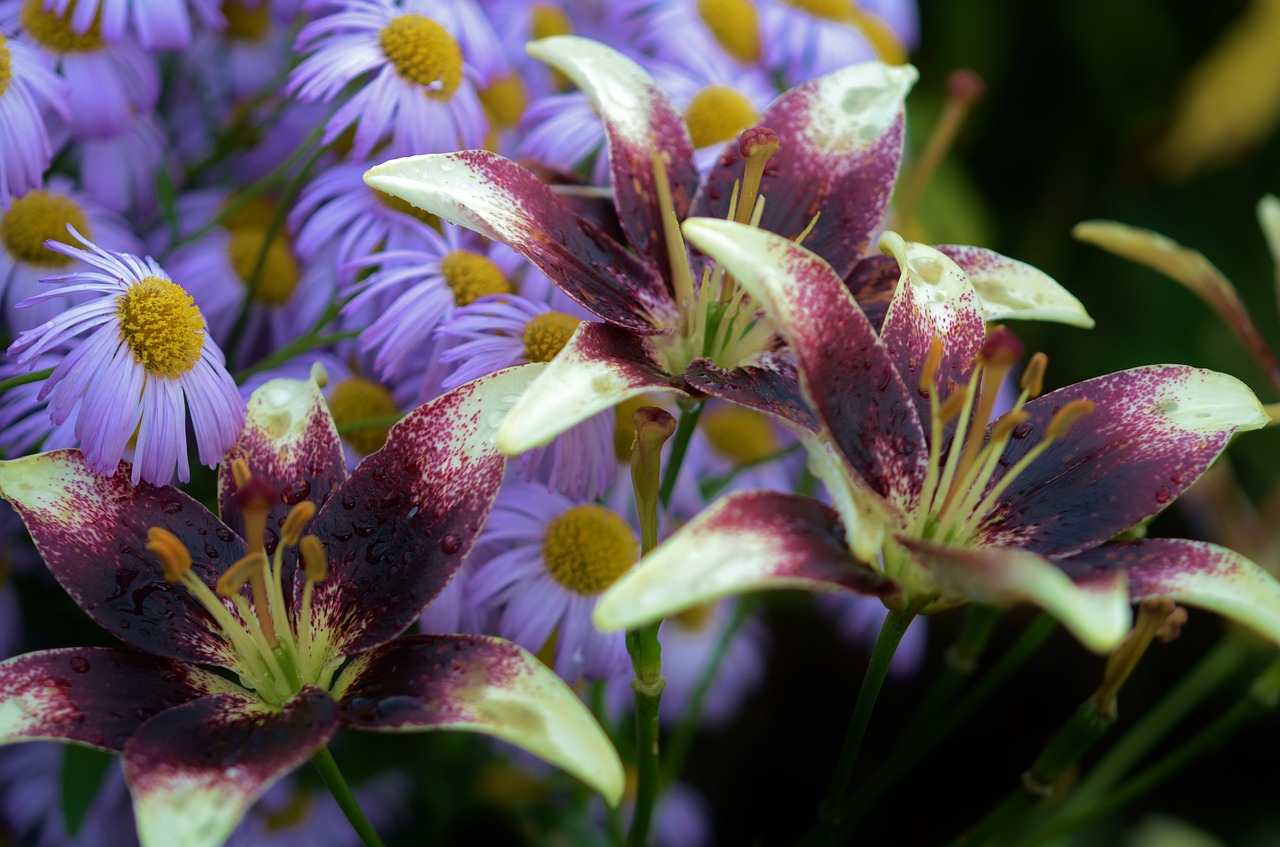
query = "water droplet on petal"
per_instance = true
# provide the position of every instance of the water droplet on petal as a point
(450, 544)
(79, 664)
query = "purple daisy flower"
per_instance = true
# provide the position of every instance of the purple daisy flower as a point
(30, 787)
(717, 98)
(252, 48)
(24, 414)
(119, 171)
(108, 83)
(26, 88)
(147, 354)
(422, 92)
(559, 555)
(808, 38)
(159, 26)
(564, 131)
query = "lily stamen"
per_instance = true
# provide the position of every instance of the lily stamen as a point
(175, 558)
(255, 498)
(299, 516)
(757, 146)
(230, 583)
(315, 567)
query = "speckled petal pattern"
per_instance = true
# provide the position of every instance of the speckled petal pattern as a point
(770, 384)
(1013, 290)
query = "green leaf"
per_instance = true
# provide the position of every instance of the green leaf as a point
(83, 772)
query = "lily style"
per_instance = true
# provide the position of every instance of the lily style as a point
(934, 507)
(296, 598)
(820, 166)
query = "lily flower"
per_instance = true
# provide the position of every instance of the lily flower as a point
(299, 591)
(934, 508)
(825, 156)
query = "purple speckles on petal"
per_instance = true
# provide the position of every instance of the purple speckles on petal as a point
(769, 384)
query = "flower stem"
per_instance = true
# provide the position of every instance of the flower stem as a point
(23, 379)
(961, 661)
(679, 446)
(895, 625)
(328, 768)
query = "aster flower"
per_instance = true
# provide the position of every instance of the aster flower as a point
(559, 555)
(421, 95)
(807, 38)
(146, 356)
(26, 88)
(336, 568)
(158, 26)
(931, 512)
(121, 171)
(826, 166)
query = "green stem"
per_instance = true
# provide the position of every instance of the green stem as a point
(297, 347)
(679, 446)
(961, 661)
(23, 379)
(682, 740)
(895, 624)
(328, 768)
(646, 658)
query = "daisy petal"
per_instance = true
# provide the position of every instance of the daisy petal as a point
(1013, 290)
(194, 770)
(640, 123)
(97, 696)
(1152, 433)
(746, 541)
(1192, 572)
(598, 368)
(401, 525)
(848, 373)
(479, 684)
(1095, 610)
(769, 384)
(92, 532)
(840, 143)
(501, 200)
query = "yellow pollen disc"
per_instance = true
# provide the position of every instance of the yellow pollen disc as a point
(37, 217)
(405, 207)
(624, 430)
(545, 335)
(358, 399)
(882, 37)
(695, 618)
(257, 212)
(471, 276)
(588, 548)
(832, 10)
(6, 64)
(504, 101)
(54, 33)
(247, 23)
(546, 20)
(162, 326)
(735, 25)
(423, 52)
(740, 434)
(280, 274)
(716, 114)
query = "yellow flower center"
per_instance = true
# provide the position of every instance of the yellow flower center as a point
(471, 276)
(832, 10)
(279, 276)
(423, 52)
(504, 101)
(735, 25)
(37, 217)
(6, 64)
(359, 399)
(882, 37)
(53, 32)
(162, 326)
(546, 20)
(545, 335)
(247, 23)
(257, 212)
(716, 114)
(695, 618)
(404, 207)
(588, 547)
(742, 435)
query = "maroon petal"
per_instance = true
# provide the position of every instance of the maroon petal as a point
(92, 532)
(400, 526)
(872, 283)
(196, 769)
(1153, 432)
(499, 199)
(289, 441)
(840, 145)
(770, 385)
(97, 696)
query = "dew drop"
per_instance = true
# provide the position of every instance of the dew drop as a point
(296, 492)
(1164, 494)
(348, 501)
(364, 531)
(79, 664)
(450, 544)
(1022, 430)
(171, 507)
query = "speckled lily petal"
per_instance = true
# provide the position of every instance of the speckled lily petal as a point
(1194, 573)
(1012, 290)
(598, 368)
(840, 146)
(770, 383)
(1153, 432)
(640, 122)
(934, 300)
(1096, 611)
(96, 696)
(1189, 268)
(501, 200)
(872, 283)
(195, 770)
(846, 370)
(290, 441)
(401, 525)
(92, 532)
(746, 541)
(473, 683)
